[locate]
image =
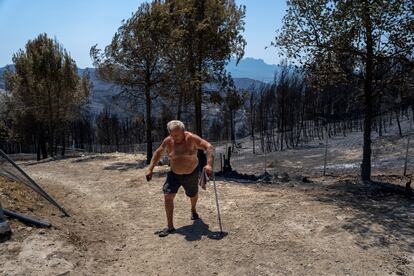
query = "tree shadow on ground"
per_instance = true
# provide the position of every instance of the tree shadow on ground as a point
(381, 214)
(124, 166)
(197, 230)
(50, 159)
(88, 158)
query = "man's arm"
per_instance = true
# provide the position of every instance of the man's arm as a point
(207, 147)
(155, 158)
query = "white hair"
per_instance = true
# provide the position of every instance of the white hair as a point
(174, 124)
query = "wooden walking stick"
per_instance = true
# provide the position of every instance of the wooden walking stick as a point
(217, 202)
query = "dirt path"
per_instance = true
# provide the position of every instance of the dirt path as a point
(290, 229)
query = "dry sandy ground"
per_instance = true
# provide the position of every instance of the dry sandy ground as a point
(331, 226)
(344, 156)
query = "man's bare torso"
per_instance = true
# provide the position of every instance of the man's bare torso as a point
(183, 155)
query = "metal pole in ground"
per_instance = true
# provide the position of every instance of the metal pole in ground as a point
(34, 185)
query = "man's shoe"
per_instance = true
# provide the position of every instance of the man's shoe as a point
(194, 216)
(165, 232)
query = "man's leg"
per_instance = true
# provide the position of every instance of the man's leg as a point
(190, 185)
(194, 203)
(169, 209)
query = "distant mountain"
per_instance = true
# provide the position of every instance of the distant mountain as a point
(102, 93)
(252, 68)
(247, 84)
(248, 68)
(248, 74)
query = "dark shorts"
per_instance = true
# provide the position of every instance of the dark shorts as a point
(188, 181)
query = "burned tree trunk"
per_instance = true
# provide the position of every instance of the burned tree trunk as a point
(148, 123)
(227, 166)
(366, 154)
(397, 117)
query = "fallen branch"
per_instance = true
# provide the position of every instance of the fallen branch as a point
(27, 219)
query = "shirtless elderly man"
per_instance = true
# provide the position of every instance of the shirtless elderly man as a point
(181, 147)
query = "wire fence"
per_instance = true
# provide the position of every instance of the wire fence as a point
(323, 155)
(132, 148)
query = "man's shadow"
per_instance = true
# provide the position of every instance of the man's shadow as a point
(195, 231)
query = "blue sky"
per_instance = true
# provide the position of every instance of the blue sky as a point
(79, 24)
